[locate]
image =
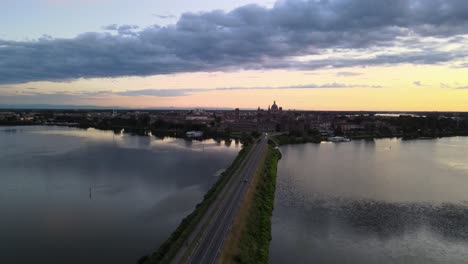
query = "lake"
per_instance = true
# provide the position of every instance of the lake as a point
(382, 201)
(88, 196)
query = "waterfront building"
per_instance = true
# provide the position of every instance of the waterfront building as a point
(194, 134)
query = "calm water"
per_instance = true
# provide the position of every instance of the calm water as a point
(383, 201)
(88, 196)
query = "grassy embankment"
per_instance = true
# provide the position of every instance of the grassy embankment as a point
(170, 247)
(285, 139)
(250, 237)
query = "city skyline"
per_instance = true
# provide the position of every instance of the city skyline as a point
(309, 55)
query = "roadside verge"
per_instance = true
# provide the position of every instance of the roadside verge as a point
(250, 236)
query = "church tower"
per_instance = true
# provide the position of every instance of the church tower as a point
(274, 107)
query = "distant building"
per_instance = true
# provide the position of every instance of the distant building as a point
(350, 127)
(266, 127)
(242, 126)
(274, 108)
(194, 134)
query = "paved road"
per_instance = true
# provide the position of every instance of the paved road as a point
(205, 243)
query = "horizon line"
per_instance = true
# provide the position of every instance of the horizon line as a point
(120, 108)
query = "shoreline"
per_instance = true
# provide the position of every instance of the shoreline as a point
(160, 134)
(281, 139)
(288, 140)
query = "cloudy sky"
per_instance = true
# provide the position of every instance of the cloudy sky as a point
(306, 54)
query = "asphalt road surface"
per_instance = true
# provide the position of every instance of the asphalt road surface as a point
(206, 241)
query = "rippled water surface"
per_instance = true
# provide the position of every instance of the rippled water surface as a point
(88, 196)
(382, 201)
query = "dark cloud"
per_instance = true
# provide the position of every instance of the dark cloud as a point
(187, 91)
(123, 30)
(159, 92)
(32, 96)
(416, 57)
(161, 16)
(346, 74)
(455, 86)
(111, 27)
(46, 98)
(444, 85)
(249, 37)
(322, 86)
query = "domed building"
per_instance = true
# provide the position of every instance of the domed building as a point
(274, 107)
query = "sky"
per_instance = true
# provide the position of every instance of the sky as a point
(389, 55)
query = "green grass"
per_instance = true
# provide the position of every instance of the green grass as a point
(255, 241)
(175, 241)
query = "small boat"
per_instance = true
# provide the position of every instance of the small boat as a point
(339, 139)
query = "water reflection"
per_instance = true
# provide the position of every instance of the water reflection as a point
(90, 196)
(363, 202)
(386, 220)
